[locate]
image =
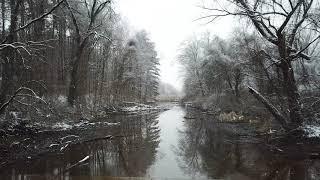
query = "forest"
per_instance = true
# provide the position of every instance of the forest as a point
(70, 61)
(75, 51)
(82, 92)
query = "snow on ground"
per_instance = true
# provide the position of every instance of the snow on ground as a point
(312, 131)
(65, 126)
(138, 107)
(127, 108)
(62, 126)
(86, 123)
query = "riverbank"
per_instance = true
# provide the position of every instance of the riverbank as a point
(165, 145)
(26, 140)
(263, 122)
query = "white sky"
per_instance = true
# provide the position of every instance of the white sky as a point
(169, 23)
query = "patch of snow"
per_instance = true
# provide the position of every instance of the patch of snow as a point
(112, 124)
(69, 136)
(83, 123)
(138, 107)
(62, 126)
(132, 108)
(62, 99)
(62, 148)
(312, 131)
(51, 145)
(65, 126)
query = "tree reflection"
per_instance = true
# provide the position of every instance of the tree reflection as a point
(138, 147)
(212, 148)
(130, 155)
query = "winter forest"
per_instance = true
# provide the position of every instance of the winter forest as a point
(277, 61)
(82, 92)
(74, 50)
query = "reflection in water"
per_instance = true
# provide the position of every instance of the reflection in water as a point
(166, 165)
(194, 148)
(130, 155)
(211, 148)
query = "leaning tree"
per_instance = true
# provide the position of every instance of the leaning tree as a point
(281, 23)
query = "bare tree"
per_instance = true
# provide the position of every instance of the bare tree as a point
(280, 23)
(82, 39)
(192, 58)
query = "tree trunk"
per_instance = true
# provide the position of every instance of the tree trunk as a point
(74, 77)
(8, 65)
(237, 79)
(289, 85)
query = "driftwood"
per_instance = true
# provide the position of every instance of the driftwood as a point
(271, 108)
(76, 164)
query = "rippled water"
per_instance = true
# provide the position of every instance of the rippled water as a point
(167, 146)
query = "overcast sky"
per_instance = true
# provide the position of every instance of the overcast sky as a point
(169, 23)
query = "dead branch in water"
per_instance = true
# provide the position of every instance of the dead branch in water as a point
(270, 107)
(76, 164)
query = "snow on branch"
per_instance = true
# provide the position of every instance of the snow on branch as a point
(18, 93)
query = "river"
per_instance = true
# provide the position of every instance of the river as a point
(165, 145)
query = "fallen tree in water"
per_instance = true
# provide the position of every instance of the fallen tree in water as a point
(271, 108)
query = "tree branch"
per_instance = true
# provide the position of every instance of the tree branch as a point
(288, 17)
(35, 20)
(273, 110)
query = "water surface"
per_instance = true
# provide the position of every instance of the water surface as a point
(165, 145)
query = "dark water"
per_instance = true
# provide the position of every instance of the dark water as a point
(167, 146)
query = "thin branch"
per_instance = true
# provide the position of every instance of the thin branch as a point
(297, 54)
(284, 24)
(35, 20)
(16, 93)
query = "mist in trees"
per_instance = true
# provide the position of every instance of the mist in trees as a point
(167, 92)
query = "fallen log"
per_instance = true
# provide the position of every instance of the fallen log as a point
(270, 107)
(76, 164)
